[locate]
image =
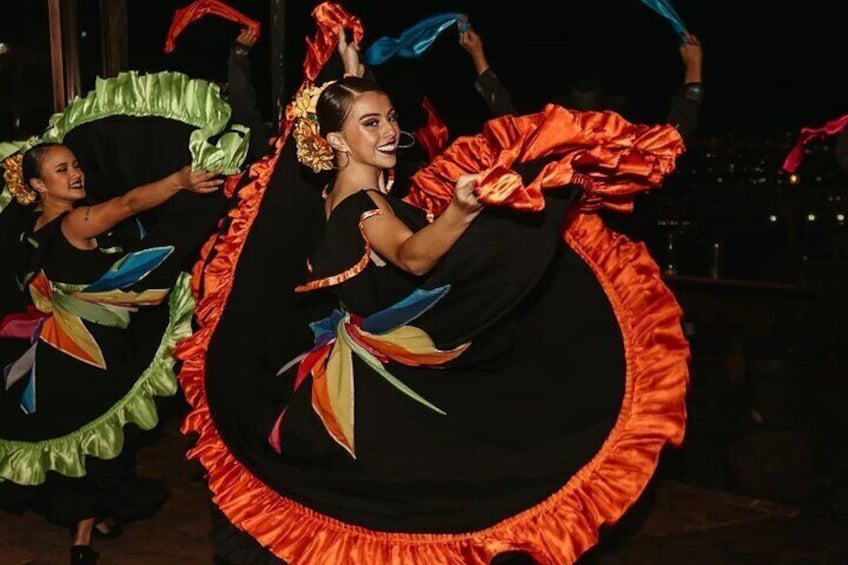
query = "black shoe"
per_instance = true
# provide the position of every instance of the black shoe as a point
(83, 555)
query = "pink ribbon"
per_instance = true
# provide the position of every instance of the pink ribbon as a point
(793, 160)
(21, 325)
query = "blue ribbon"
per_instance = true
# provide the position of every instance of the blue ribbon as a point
(413, 42)
(666, 10)
(131, 269)
(403, 312)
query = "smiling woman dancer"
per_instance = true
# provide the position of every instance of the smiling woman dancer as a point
(107, 300)
(478, 370)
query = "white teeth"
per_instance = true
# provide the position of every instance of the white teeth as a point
(388, 148)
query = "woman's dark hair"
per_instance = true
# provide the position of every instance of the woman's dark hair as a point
(31, 163)
(335, 101)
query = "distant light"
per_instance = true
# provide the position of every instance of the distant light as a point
(794, 179)
(840, 218)
(83, 34)
(3, 48)
(772, 218)
(811, 217)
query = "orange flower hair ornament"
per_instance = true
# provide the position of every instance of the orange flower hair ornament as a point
(312, 149)
(14, 177)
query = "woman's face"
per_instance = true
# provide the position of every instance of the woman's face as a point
(371, 131)
(60, 176)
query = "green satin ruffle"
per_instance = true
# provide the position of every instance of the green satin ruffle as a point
(27, 463)
(167, 94)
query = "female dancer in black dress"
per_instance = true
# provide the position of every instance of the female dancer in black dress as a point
(83, 366)
(96, 240)
(491, 370)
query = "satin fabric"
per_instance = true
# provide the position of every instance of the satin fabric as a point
(196, 10)
(413, 42)
(666, 10)
(796, 155)
(613, 158)
(166, 94)
(433, 135)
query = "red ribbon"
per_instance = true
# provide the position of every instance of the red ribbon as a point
(196, 10)
(793, 160)
(328, 16)
(434, 135)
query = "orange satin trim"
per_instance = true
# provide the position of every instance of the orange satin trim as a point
(348, 274)
(554, 532)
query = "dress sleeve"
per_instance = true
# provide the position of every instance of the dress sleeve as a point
(345, 251)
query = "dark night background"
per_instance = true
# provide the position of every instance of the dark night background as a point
(765, 67)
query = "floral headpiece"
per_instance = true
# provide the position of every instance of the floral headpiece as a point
(312, 149)
(14, 176)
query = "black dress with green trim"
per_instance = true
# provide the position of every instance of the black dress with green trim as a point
(104, 322)
(85, 376)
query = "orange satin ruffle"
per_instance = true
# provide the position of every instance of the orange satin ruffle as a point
(554, 532)
(612, 158)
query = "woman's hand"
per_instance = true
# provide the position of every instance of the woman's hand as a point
(349, 52)
(464, 197)
(247, 38)
(201, 182)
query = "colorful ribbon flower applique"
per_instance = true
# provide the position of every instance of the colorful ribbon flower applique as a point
(60, 308)
(380, 338)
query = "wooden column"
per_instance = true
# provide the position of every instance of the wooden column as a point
(64, 53)
(114, 34)
(57, 66)
(70, 46)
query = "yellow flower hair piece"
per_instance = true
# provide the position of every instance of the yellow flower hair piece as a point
(312, 149)
(14, 176)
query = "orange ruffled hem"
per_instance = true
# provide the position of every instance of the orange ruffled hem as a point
(554, 532)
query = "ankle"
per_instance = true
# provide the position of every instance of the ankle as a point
(82, 533)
